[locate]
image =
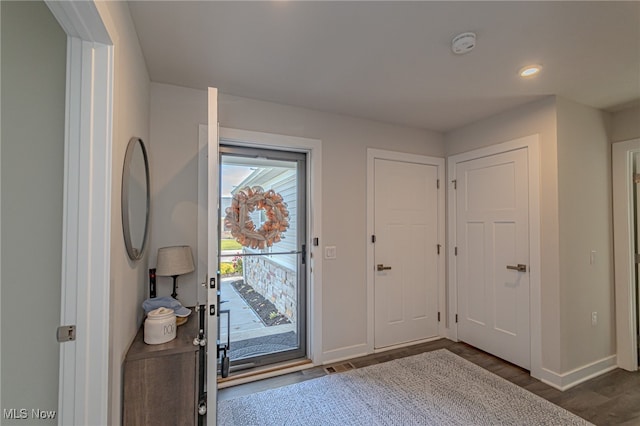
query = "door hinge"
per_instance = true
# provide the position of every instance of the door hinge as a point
(437, 183)
(455, 251)
(439, 247)
(455, 184)
(373, 238)
(66, 333)
(438, 316)
(304, 254)
(456, 318)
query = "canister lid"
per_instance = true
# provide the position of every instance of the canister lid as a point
(161, 313)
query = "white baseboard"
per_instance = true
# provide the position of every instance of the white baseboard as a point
(564, 381)
(406, 344)
(342, 354)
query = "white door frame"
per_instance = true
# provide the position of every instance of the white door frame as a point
(210, 234)
(624, 262)
(84, 363)
(372, 155)
(314, 216)
(532, 144)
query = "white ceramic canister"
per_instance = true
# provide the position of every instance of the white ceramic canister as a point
(160, 326)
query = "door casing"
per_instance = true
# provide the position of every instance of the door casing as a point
(313, 147)
(84, 381)
(623, 224)
(372, 155)
(532, 145)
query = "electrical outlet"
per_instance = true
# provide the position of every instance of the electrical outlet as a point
(594, 318)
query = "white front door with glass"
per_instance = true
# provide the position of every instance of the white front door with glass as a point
(261, 256)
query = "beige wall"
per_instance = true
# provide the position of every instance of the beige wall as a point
(33, 105)
(534, 118)
(131, 118)
(625, 124)
(175, 115)
(586, 224)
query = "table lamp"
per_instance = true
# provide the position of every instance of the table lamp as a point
(173, 261)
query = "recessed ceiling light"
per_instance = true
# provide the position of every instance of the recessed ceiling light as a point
(530, 70)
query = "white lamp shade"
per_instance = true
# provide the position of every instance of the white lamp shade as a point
(174, 260)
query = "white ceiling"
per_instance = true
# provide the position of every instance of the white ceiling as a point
(391, 61)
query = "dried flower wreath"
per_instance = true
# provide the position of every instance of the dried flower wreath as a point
(248, 200)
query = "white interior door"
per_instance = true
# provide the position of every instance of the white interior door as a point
(212, 257)
(492, 229)
(405, 252)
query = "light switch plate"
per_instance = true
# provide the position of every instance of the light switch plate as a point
(330, 252)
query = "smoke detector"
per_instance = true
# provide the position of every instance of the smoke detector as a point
(463, 43)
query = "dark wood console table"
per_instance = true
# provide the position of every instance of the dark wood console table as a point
(161, 381)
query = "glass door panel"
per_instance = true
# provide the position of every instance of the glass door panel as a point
(262, 244)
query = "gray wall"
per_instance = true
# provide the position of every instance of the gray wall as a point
(625, 124)
(32, 152)
(586, 224)
(175, 115)
(130, 118)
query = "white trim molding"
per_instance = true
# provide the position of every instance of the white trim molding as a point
(84, 363)
(624, 251)
(578, 375)
(211, 233)
(439, 163)
(533, 156)
(348, 352)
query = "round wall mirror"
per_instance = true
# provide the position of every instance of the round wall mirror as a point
(135, 198)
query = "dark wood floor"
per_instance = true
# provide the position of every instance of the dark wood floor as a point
(610, 399)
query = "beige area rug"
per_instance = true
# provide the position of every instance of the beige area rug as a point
(433, 388)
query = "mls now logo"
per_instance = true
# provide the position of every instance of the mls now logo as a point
(23, 413)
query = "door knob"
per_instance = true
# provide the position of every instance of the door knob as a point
(519, 267)
(381, 267)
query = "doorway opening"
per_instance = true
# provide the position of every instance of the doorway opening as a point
(262, 255)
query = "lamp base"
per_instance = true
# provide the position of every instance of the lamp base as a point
(174, 294)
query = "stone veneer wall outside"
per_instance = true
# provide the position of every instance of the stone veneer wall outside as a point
(274, 282)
